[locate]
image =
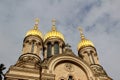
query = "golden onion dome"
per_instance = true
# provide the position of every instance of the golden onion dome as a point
(53, 33)
(35, 31)
(84, 42)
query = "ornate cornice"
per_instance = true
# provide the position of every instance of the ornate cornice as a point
(99, 71)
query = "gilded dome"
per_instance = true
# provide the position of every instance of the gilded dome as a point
(53, 33)
(35, 31)
(84, 42)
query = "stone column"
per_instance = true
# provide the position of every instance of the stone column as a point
(45, 52)
(60, 48)
(52, 48)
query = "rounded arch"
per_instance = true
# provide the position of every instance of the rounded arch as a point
(61, 59)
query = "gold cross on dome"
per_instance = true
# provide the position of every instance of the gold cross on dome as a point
(36, 23)
(81, 33)
(53, 24)
(80, 29)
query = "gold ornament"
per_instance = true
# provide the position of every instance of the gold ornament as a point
(84, 42)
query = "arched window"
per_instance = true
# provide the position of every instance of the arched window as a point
(56, 48)
(49, 49)
(62, 78)
(70, 78)
(33, 45)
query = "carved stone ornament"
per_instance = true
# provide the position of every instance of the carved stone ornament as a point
(69, 67)
(28, 59)
(98, 71)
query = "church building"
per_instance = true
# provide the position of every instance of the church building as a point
(58, 61)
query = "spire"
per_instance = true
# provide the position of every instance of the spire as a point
(81, 33)
(84, 42)
(54, 33)
(35, 30)
(53, 24)
(36, 23)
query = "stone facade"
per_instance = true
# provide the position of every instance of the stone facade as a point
(58, 63)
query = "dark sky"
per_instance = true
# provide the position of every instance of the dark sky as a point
(100, 20)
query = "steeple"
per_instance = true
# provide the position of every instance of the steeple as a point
(84, 42)
(87, 50)
(33, 42)
(35, 31)
(53, 41)
(54, 33)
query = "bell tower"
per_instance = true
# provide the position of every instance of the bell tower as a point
(86, 50)
(33, 42)
(88, 53)
(28, 65)
(53, 42)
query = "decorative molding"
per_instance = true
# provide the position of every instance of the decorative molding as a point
(98, 71)
(29, 60)
(69, 67)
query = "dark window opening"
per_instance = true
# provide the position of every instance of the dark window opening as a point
(70, 78)
(39, 43)
(56, 48)
(49, 49)
(27, 41)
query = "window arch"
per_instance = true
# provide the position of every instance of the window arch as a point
(70, 77)
(56, 48)
(62, 78)
(32, 45)
(27, 41)
(49, 49)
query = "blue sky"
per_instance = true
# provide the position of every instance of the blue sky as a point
(100, 20)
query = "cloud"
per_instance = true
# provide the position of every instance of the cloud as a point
(99, 18)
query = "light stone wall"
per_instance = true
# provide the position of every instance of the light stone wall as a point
(64, 70)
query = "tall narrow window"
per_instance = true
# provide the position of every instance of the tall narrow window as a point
(33, 44)
(91, 57)
(56, 48)
(70, 78)
(49, 49)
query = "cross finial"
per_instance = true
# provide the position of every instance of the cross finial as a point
(81, 33)
(53, 24)
(36, 23)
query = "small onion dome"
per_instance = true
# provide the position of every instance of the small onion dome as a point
(53, 33)
(84, 42)
(35, 31)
